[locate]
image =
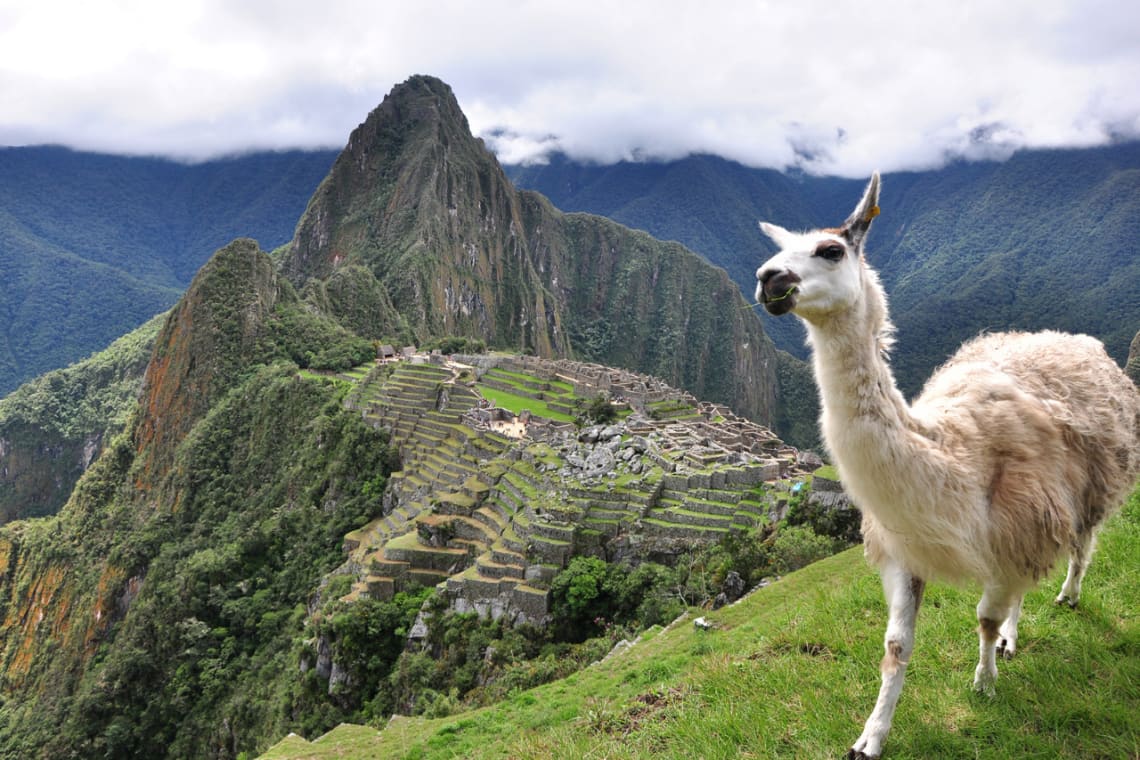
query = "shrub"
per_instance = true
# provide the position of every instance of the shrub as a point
(797, 546)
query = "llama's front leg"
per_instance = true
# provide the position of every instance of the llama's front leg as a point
(994, 608)
(904, 595)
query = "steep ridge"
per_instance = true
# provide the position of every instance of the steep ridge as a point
(423, 205)
(186, 548)
(206, 339)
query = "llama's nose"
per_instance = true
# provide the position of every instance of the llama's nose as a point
(774, 283)
(762, 277)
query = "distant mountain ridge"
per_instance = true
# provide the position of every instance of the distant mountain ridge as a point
(1042, 240)
(92, 245)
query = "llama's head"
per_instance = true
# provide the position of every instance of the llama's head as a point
(819, 273)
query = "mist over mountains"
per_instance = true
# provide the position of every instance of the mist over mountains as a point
(94, 245)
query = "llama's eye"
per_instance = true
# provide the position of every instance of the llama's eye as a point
(830, 251)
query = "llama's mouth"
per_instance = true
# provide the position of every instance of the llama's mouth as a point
(776, 288)
(779, 305)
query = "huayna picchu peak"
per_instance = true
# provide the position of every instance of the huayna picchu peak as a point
(421, 203)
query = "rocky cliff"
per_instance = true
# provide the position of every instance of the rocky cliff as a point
(1133, 365)
(186, 547)
(53, 428)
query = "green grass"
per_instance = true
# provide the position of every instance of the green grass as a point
(523, 380)
(792, 672)
(827, 471)
(516, 404)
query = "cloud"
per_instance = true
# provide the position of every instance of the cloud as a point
(828, 87)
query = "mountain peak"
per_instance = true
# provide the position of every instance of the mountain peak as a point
(419, 100)
(421, 203)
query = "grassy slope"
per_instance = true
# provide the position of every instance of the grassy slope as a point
(792, 671)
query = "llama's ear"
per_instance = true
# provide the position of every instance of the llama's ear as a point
(778, 234)
(856, 226)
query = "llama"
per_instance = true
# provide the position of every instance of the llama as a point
(1016, 450)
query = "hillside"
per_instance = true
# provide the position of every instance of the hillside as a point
(791, 671)
(1037, 241)
(53, 428)
(164, 594)
(92, 246)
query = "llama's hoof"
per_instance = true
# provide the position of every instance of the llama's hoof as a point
(865, 748)
(1064, 598)
(1006, 648)
(984, 681)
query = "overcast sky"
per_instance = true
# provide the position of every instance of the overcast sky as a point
(830, 87)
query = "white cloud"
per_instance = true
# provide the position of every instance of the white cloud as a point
(835, 87)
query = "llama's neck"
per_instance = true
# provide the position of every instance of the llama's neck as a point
(864, 414)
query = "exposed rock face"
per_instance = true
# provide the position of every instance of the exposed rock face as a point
(38, 471)
(53, 428)
(421, 203)
(1132, 368)
(206, 339)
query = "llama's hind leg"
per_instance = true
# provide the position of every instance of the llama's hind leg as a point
(904, 595)
(995, 608)
(1007, 633)
(1079, 559)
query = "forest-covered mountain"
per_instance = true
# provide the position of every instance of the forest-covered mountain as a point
(92, 246)
(1041, 240)
(153, 615)
(53, 428)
